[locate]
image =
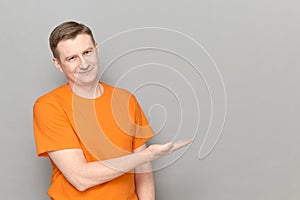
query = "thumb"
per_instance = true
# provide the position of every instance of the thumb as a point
(167, 146)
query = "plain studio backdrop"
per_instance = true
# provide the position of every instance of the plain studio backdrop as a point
(192, 65)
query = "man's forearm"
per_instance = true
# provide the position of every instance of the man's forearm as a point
(95, 173)
(144, 182)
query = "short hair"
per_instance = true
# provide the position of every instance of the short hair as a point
(67, 30)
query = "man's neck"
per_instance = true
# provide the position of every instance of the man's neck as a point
(91, 91)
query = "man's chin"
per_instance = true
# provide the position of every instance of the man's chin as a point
(86, 82)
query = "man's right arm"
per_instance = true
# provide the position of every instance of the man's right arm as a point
(83, 175)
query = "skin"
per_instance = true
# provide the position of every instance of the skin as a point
(78, 60)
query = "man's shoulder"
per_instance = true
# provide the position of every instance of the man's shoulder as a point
(53, 96)
(115, 89)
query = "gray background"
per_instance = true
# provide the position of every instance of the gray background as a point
(255, 46)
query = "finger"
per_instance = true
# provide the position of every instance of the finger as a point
(181, 143)
(187, 140)
(167, 146)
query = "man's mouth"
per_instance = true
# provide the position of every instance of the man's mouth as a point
(86, 70)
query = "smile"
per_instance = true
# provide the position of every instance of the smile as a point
(85, 71)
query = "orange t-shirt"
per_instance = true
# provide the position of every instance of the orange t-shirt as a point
(109, 126)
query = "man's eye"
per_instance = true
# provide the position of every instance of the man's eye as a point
(71, 59)
(86, 53)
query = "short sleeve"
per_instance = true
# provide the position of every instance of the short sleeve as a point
(52, 129)
(143, 130)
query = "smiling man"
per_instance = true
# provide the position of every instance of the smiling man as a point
(93, 133)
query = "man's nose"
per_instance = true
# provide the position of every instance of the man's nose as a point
(83, 64)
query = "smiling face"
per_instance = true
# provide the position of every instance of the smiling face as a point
(78, 59)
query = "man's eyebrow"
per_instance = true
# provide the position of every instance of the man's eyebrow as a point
(88, 49)
(68, 57)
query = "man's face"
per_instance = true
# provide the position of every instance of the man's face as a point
(78, 60)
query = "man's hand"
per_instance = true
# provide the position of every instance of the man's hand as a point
(160, 150)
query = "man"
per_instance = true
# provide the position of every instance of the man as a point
(93, 133)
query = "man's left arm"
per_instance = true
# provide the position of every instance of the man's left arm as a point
(144, 180)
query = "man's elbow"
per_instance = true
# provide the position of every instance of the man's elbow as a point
(82, 183)
(79, 183)
(81, 187)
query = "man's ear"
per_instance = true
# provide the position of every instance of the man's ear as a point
(96, 46)
(57, 64)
